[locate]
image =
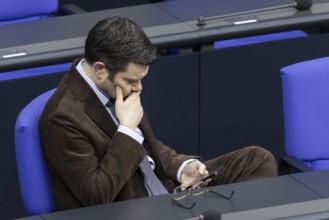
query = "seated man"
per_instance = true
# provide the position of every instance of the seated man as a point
(97, 140)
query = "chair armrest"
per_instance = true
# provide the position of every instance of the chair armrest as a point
(288, 165)
(69, 9)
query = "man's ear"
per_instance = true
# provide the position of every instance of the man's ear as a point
(100, 70)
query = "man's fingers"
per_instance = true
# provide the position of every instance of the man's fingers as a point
(134, 95)
(201, 168)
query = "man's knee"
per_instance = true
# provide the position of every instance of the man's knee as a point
(264, 158)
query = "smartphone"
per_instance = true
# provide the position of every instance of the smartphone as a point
(209, 176)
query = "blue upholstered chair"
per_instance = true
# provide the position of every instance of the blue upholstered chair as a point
(305, 87)
(16, 11)
(259, 39)
(34, 179)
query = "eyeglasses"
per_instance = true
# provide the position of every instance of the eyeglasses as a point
(195, 189)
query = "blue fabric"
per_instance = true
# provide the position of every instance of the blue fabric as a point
(306, 111)
(37, 71)
(318, 164)
(258, 39)
(34, 178)
(20, 9)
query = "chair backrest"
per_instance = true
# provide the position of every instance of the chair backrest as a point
(34, 179)
(306, 111)
(15, 11)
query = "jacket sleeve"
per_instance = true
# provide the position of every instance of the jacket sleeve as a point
(171, 160)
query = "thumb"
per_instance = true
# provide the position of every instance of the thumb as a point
(202, 169)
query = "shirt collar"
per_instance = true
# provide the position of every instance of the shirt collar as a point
(100, 94)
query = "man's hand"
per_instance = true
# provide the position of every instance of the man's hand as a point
(128, 111)
(193, 171)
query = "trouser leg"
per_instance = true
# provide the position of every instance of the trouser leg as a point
(248, 163)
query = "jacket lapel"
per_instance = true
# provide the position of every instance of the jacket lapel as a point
(99, 115)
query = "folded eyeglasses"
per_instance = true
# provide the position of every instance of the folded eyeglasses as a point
(197, 188)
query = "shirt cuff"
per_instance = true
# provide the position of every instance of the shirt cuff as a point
(136, 136)
(180, 170)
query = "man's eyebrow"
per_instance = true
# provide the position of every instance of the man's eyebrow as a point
(130, 79)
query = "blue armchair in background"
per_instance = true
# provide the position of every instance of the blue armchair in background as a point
(15, 11)
(305, 88)
(34, 179)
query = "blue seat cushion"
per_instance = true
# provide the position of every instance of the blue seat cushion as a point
(318, 164)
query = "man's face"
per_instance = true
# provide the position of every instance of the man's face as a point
(129, 81)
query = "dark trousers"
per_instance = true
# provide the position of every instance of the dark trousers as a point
(248, 163)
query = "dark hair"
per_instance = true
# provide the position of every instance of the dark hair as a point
(118, 41)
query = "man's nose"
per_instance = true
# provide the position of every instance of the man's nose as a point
(137, 86)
